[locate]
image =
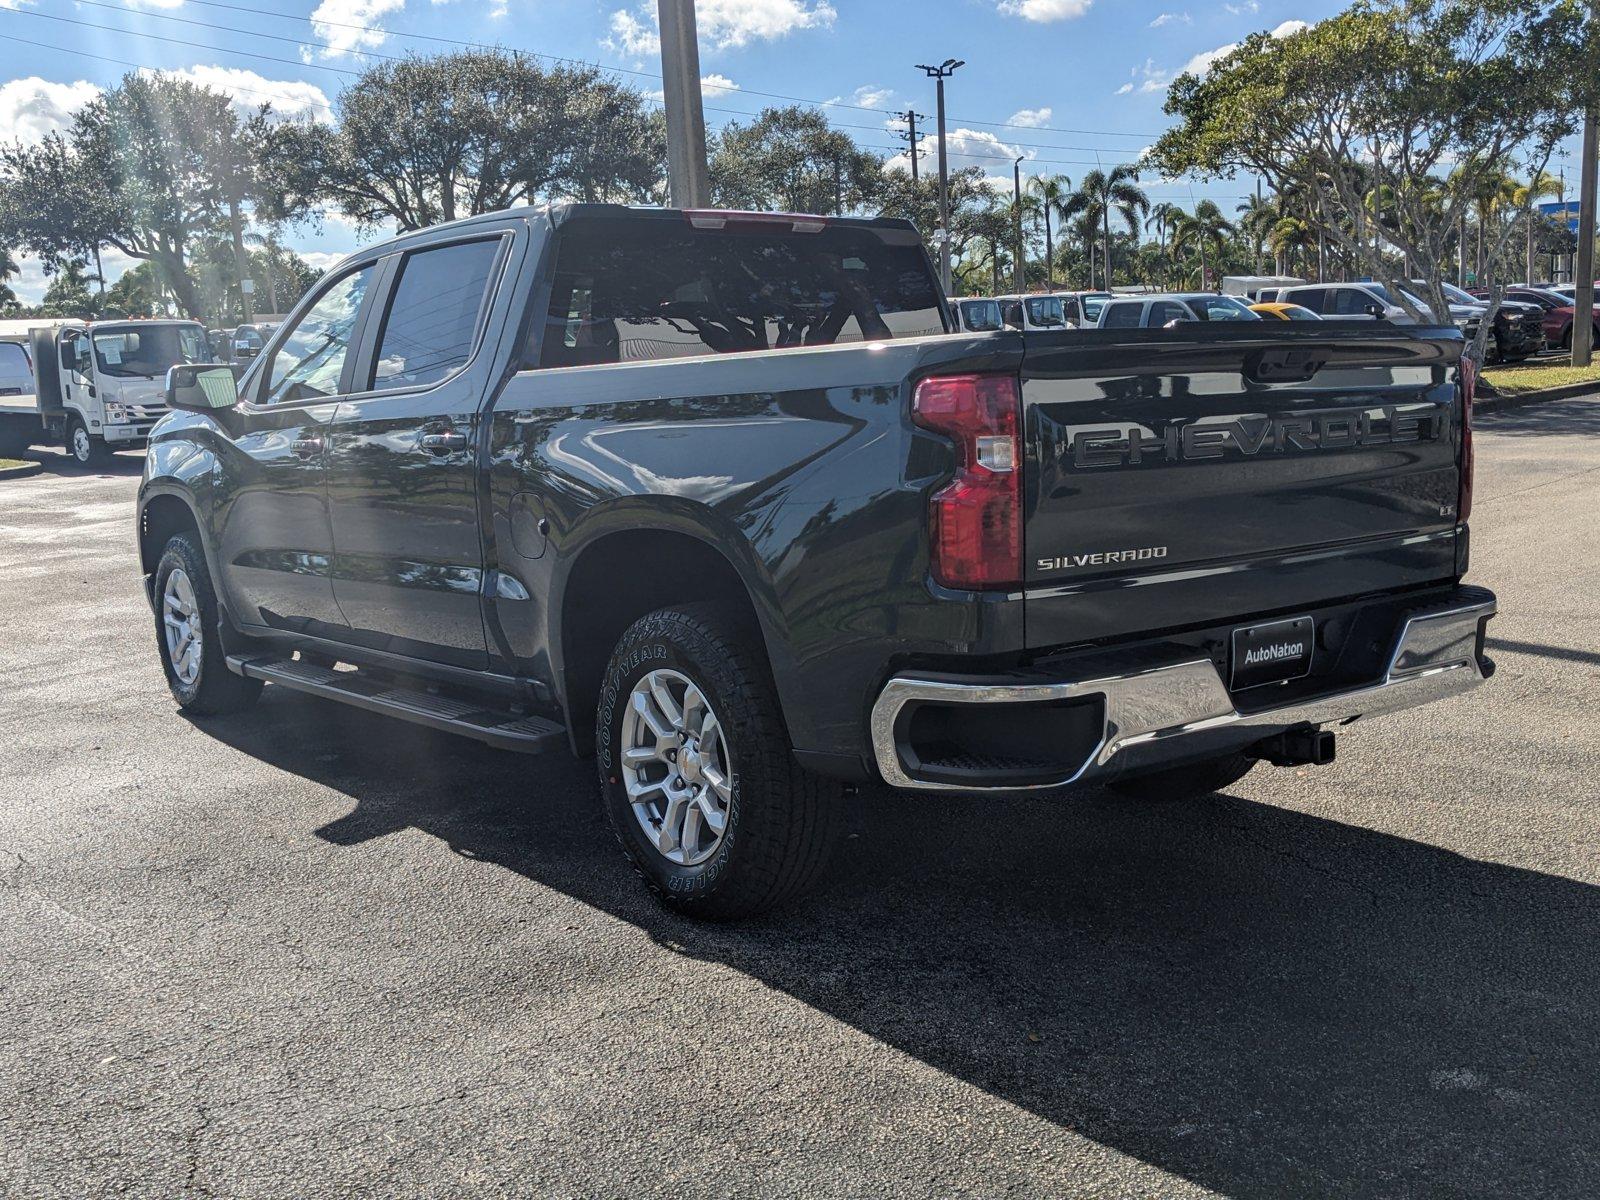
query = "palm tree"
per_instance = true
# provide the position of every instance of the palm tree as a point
(1289, 236)
(8, 267)
(1051, 191)
(1257, 216)
(1207, 227)
(1164, 219)
(1495, 192)
(1114, 191)
(1525, 197)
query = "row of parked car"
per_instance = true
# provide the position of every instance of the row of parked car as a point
(1527, 321)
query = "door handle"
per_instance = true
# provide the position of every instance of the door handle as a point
(443, 443)
(307, 447)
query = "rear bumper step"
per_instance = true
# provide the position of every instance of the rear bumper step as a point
(497, 727)
(1168, 713)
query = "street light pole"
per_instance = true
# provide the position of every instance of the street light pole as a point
(1016, 207)
(1583, 302)
(939, 74)
(688, 181)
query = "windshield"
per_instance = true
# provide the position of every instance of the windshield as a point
(1453, 294)
(1222, 308)
(1046, 310)
(1092, 306)
(980, 316)
(131, 352)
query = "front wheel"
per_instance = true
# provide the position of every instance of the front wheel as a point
(1186, 783)
(188, 634)
(696, 771)
(86, 449)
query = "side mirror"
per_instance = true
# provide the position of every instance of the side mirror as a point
(202, 387)
(1376, 310)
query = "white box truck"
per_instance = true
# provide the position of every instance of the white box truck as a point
(97, 386)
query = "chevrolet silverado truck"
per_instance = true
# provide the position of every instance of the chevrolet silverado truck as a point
(727, 502)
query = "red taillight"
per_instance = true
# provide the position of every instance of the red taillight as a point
(976, 519)
(1469, 383)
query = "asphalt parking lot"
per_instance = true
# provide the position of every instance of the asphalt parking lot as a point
(309, 952)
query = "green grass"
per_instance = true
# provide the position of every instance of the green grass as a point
(1536, 376)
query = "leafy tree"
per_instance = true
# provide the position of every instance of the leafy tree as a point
(1526, 197)
(68, 294)
(426, 140)
(792, 160)
(972, 205)
(150, 166)
(137, 293)
(1390, 94)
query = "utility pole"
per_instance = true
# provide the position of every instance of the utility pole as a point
(688, 180)
(910, 134)
(939, 74)
(1016, 208)
(1583, 327)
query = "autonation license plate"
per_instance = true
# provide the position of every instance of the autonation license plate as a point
(1272, 653)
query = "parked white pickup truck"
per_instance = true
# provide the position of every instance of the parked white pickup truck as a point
(98, 386)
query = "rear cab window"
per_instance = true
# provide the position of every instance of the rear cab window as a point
(15, 369)
(627, 289)
(434, 313)
(1121, 316)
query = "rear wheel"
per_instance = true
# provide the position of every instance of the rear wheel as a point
(696, 771)
(1186, 783)
(188, 634)
(86, 449)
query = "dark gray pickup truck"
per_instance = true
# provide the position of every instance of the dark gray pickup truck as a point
(724, 501)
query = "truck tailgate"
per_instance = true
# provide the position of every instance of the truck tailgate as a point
(1184, 479)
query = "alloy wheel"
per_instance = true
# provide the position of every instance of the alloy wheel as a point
(676, 767)
(180, 619)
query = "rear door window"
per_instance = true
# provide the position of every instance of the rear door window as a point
(1163, 312)
(633, 290)
(1120, 316)
(434, 311)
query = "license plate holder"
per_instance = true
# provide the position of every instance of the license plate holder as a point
(1272, 652)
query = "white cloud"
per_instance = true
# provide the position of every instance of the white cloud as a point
(333, 20)
(154, 3)
(1245, 9)
(967, 148)
(289, 98)
(320, 259)
(711, 86)
(31, 108)
(1045, 10)
(871, 96)
(1030, 118)
(1156, 81)
(722, 24)
(30, 283)
(1170, 18)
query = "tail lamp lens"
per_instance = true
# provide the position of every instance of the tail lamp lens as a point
(976, 519)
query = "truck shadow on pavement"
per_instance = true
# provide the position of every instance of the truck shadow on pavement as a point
(1556, 417)
(1264, 1002)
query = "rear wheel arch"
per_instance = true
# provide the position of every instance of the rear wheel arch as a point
(620, 576)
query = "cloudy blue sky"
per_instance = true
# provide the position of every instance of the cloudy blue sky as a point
(1069, 83)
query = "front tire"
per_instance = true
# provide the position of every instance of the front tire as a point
(1186, 783)
(188, 635)
(697, 775)
(85, 449)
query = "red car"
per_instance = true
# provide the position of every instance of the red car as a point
(1558, 313)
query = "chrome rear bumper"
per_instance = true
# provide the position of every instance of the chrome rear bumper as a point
(1180, 711)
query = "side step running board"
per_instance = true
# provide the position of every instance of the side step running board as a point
(498, 727)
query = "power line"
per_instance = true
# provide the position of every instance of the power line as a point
(310, 45)
(427, 37)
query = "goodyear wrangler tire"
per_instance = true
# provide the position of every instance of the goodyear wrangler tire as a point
(696, 770)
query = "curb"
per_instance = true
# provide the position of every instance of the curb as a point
(21, 472)
(1493, 404)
